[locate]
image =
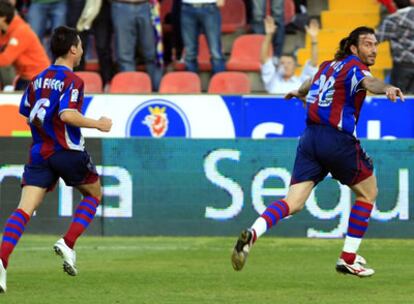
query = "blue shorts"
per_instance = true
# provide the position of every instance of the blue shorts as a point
(74, 167)
(323, 149)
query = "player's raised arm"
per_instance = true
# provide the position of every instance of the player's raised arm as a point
(377, 86)
(74, 118)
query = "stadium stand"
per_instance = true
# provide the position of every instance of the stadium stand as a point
(131, 82)
(245, 57)
(92, 80)
(242, 50)
(229, 83)
(245, 54)
(233, 16)
(338, 21)
(180, 82)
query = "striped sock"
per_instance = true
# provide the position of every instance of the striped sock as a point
(84, 214)
(358, 224)
(13, 230)
(274, 213)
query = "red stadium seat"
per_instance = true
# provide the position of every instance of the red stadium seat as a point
(289, 11)
(165, 9)
(233, 16)
(92, 80)
(229, 83)
(131, 82)
(245, 54)
(203, 58)
(180, 82)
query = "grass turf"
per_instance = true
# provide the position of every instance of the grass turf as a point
(197, 270)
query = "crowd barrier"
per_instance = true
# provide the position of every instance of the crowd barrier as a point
(215, 116)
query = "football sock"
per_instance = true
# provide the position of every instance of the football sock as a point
(358, 224)
(84, 214)
(270, 217)
(13, 231)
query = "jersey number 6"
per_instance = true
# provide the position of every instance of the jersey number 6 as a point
(39, 110)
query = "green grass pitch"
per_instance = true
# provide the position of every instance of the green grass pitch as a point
(198, 270)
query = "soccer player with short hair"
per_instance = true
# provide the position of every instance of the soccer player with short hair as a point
(52, 104)
(333, 99)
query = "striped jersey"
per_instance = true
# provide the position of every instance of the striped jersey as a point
(53, 91)
(336, 95)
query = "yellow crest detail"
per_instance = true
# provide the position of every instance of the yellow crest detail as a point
(157, 110)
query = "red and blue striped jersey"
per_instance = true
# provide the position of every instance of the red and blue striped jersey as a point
(53, 91)
(336, 95)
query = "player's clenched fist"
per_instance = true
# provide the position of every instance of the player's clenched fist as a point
(105, 124)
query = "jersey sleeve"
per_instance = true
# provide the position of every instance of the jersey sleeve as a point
(358, 73)
(25, 108)
(72, 97)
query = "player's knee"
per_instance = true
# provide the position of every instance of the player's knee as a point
(370, 195)
(373, 193)
(98, 196)
(94, 190)
(97, 193)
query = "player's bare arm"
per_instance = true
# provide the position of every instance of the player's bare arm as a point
(76, 119)
(301, 92)
(377, 86)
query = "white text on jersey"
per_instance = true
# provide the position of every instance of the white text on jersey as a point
(48, 83)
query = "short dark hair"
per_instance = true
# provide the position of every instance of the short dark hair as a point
(291, 55)
(402, 3)
(6, 10)
(344, 49)
(63, 38)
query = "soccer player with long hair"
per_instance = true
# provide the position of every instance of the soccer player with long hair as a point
(333, 99)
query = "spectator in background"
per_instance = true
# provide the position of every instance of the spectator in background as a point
(173, 42)
(389, 5)
(22, 7)
(279, 77)
(277, 12)
(46, 15)
(398, 28)
(133, 27)
(94, 17)
(73, 15)
(20, 46)
(202, 16)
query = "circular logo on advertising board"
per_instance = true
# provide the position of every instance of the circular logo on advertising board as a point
(158, 118)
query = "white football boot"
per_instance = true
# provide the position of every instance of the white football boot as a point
(358, 268)
(68, 255)
(3, 277)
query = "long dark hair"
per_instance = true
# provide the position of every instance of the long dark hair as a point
(344, 49)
